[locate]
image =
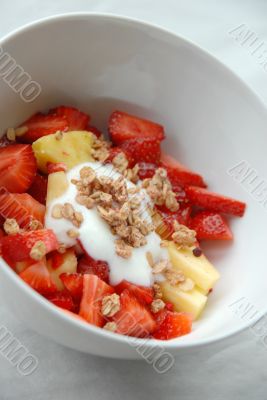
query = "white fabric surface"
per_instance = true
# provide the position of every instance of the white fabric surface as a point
(233, 369)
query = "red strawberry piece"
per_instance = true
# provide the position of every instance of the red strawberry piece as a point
(38, 277)
(17, 168)
(114, 151)
(18, 247)
(146, 170)
(211, 225)
(179, 174)
(94, 130)
(179, 191)
(41, 125)
(173, 325)
(22, 207)
(62, 299)
(133, 318)
(123, 126)
(214, 201)
(38, 189)
(56, 167)
(74, 283)
(143, 150)
(56, 259)
(88, 265)
(169, 306)
(94, 290)
(76, 120)
(142, 293)
(165, 227)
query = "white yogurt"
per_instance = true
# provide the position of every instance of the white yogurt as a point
(96, 237)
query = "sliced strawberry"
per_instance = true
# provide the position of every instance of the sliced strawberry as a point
(179, 193)
(62, 299)
(94, 289)
(215, 202)
(38, 277)
(94, 130)
(143, 150)
(18, 247)
(77, 120)
(179, 174)
(211, 225)
(74, 283)
(87, 265)
(38, 189)
(173, 325)
(165, 224)
(146, 170)
(41, 125)
(123, 126)
(114, 151)
(17, 168)
(133, 318)
(56, 259)
(56, 167)
(22, 207)
(143, 293)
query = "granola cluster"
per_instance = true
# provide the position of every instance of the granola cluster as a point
(173, 276)
(160, 190)
(183, 236)
(100, 148)
(68, 212)
(120, 163)
(117, 205)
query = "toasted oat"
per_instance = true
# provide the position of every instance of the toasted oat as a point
(67, 211)
(110, 326)
(183, 236)
(122, 249)
(62, 248)
(157, 291)
(59, 135)
(132, 174)
(171, 202)
(34, 225)
(11, 134)
(88, 175)
(38, 251)
(57, 211)
(73, 234)
(21, 131)
(149, 257)
(157, 305)
(100, 154)
(187, 285)
(11, 227)
(120, 162)
(110, 305)
(161, 266)
(174, 277)
(77, 218)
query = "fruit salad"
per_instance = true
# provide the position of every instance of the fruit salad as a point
(109, 228)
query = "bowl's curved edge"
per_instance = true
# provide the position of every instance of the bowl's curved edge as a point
(168, 345)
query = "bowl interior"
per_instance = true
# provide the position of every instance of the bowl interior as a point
(212, 120)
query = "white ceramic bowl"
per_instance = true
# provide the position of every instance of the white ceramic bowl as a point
(213, 121)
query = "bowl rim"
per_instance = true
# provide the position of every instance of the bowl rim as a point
(48, 306)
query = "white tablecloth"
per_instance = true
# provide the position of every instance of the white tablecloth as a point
(233, 369)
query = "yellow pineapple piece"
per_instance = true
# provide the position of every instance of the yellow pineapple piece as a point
(57, 184)
(69, 264)
(192, 301)
(199, 269)
(72, 148)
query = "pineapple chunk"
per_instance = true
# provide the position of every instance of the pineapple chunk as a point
(69, 264)
(192, 301)
(73, 148)
(56, 186)
(199, 269)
